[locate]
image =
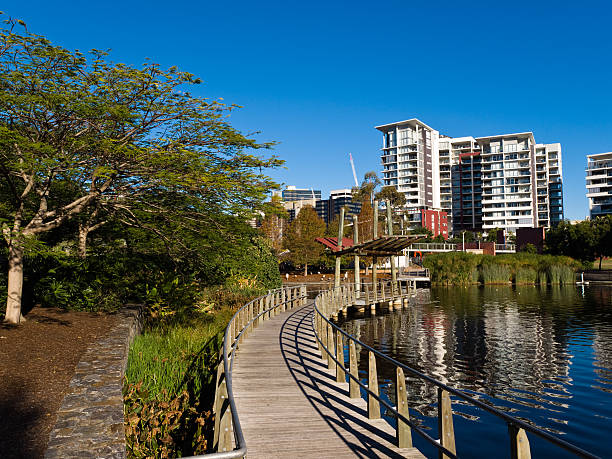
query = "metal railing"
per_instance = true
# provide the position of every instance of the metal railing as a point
(247, 318)
(331, 341)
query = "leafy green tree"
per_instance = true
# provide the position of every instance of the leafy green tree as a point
(300, 238)
(131, 143)
(391, 194)
(492, 235)
(367, 189)
(422, 230)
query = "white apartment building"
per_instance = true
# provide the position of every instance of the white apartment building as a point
(599, 184)
(505, 181)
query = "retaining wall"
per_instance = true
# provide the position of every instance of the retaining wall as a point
(90, 420)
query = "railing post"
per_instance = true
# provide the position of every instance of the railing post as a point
(446, 429)
(519, 443)
(283, 304)
(225, 424)
(354, 391)
(217, 403)
(340, 371)
(330, 341)
(403, 432)
(373, 403)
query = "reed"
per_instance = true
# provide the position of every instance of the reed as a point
(495, 274)
(525, 276)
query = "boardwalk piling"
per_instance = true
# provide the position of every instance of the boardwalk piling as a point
(330, 347)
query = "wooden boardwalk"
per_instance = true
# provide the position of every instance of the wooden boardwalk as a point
(290, 405)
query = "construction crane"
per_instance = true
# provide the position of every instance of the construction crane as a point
(353, 166)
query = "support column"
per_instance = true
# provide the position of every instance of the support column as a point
(355, 242)
(375, 259)
(390, 233)
(339, 258)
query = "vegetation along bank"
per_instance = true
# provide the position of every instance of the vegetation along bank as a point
(461, 268)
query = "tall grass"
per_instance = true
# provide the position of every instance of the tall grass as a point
(495, 273)
(525, 276)
(171, 374)
(458, 268)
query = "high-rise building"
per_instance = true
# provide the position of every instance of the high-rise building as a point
(599, 184)
(505, 181)
(291, 193)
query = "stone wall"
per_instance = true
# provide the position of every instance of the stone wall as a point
(90, 421)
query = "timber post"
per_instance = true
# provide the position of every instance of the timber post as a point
(519, 443)
(390, 233)
(340, 371)
(446, 429)
(339, 245)
(375, 259)
(330, 347)
(373, 403)
(357, 267)
(354, 391)
(403, 432)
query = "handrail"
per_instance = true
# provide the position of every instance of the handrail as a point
(244, 320)
(339, 298)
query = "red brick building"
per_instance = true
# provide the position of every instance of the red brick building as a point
(435, 221)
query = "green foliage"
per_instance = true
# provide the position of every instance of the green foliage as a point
(390, 193)
(300, 237)
(584, 241)
(525, 276)
(170, 377)
(492, 273)
(459, 268)
(529, 248)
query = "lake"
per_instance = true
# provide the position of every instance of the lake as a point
(541, 354)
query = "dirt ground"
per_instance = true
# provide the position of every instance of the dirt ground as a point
(37, 361)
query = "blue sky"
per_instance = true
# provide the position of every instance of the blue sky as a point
(317, 76)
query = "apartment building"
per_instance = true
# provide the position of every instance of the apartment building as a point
(599, 184)
(506, 181)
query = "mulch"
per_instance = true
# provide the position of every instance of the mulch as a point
(37, 361)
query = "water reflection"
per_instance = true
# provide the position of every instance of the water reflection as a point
(543, 354)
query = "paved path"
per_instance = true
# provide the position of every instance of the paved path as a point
(290, 405)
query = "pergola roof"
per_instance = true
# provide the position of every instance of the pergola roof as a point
(384, 246)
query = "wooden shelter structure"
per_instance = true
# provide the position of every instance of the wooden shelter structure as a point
(383, 246)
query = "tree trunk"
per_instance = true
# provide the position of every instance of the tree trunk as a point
(83, 231)
(306, 269)
(600, 258)
(15, 283)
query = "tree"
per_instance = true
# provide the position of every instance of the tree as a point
(300, 238)
(274, 224)
(367, 189)
(391, 194)
(492, 234)
(127, 142)
(586, 241)
(422, 230)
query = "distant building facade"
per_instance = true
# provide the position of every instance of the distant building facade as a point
(506, 181)
(291, 193)
(599, 184)
(435, 221)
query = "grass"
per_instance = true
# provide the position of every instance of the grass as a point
(170, 377)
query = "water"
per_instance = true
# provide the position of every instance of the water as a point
(541, 354)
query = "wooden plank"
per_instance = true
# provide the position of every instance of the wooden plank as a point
(446, 429)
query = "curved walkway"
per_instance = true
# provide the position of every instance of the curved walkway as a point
(290, 404)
